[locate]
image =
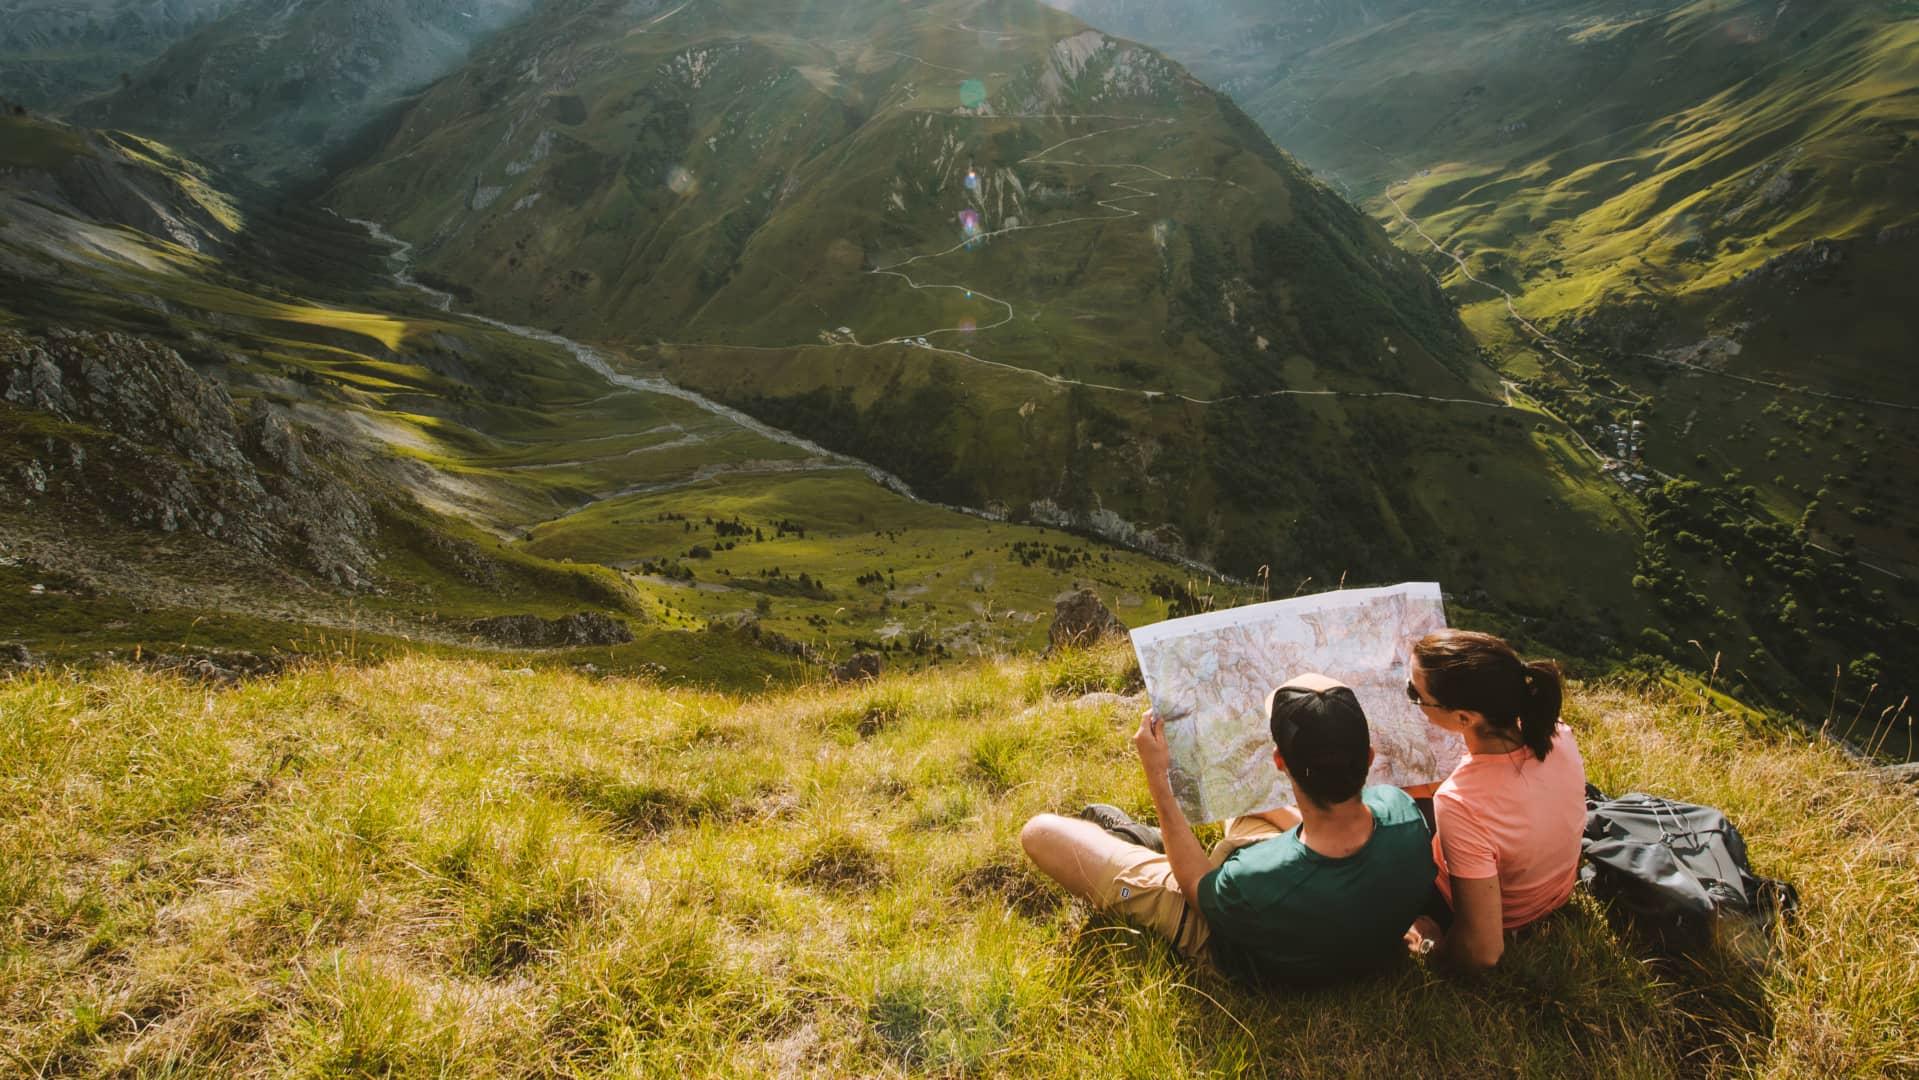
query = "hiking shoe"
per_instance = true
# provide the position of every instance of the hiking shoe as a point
(1115, 821)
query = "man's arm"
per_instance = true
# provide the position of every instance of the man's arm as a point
(1183, 849)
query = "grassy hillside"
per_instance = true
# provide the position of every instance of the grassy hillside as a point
(1708, 210)
(510, 478)
(431, 868)
(1026, 267)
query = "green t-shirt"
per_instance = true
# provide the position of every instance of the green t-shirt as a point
(1281, 911)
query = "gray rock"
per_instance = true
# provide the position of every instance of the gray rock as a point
(274, 441)
(36, 383)
(218, 667)
(861, 667)
(1812, 259)
(168, 453)
(18, 655)
(1080, 619)
(533, 632)
(1900, 774)
(748, 628)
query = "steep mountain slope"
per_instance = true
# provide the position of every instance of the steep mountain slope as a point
(221, 423)
(56, 51)
(272, 87)
(1701, 217)
(708, 173)
(1722, 186)
(1028, 267)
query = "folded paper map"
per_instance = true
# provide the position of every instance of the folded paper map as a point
(1208, 677)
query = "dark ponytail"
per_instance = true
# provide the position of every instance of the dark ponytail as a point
(1539, 716)
(1481, 673)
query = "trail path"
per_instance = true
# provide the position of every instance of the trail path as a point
(597, 363)
(1118, 212)
(1545, 340)
(1785, 387)
(1011, 312)
(820, 459)
(691, 438)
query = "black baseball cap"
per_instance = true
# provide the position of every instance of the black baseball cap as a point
(1319, 727)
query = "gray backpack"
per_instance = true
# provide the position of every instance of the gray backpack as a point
(1678, 871)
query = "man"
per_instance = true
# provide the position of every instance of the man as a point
(1313, 895)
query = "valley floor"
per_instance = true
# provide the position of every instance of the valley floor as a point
(451, 868)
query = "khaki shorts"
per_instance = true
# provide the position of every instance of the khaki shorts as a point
(1137, 884)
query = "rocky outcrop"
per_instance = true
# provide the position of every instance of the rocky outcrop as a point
(533, 632)
(1080, 619)
(144, 440)
(748, 628)
(16, 656)
(217, 667)
(109, 178)
(1900, 774)
(861, 667)
(1632, 324)
(1807, 262)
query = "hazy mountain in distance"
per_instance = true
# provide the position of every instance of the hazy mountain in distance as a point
(272, 87)
(53, 52)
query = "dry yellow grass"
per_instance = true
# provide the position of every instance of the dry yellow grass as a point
(448, 869)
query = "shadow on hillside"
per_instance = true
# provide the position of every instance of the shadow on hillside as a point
(1579, 995)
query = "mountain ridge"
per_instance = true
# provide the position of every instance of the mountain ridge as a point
(631, 185)
(273, 89)
(491, 475)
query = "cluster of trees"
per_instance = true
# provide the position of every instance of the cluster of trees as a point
(1808, 610)
(1060, 558)
(1181, 596)
(775, 581)
(735, 528)
(670, 569)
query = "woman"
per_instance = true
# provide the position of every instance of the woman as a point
(1508, 820)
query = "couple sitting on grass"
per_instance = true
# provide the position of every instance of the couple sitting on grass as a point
(1356, 876)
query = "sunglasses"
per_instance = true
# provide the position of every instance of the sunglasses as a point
(1412, 695)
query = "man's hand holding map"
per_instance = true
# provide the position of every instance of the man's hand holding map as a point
(1207, 676)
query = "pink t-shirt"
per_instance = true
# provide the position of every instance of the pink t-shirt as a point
(1517, 818)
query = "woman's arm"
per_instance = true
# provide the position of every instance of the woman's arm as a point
(1478, 936)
